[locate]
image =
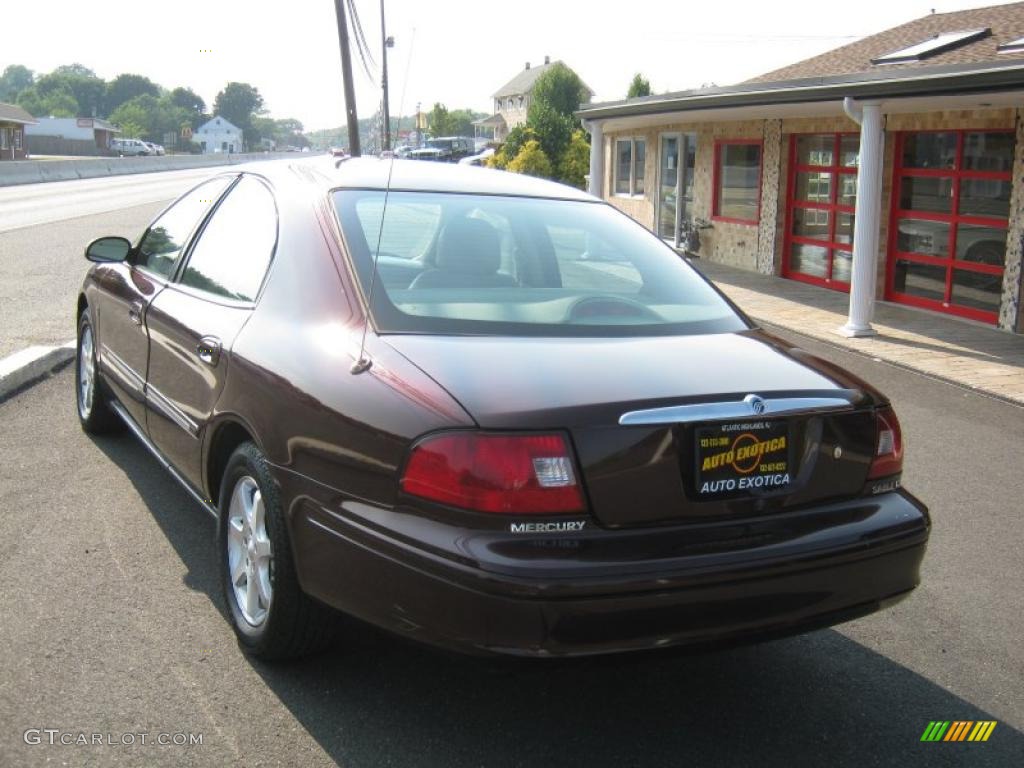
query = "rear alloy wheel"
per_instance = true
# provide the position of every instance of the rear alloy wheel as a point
(94, 413)
(271, 615)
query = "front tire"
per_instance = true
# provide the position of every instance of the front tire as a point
(94, 413)
(271, 615)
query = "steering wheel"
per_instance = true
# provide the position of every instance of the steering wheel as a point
(604, 306)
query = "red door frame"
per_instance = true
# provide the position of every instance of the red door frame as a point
(956, 174)
(837, 170)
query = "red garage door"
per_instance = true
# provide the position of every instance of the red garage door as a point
(950, 207)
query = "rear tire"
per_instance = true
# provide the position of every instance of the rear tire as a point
(271, 615)
(94, 412)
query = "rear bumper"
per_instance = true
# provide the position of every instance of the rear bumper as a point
(494, 592)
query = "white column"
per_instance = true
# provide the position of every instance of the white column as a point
(596, 129)
(867, 218)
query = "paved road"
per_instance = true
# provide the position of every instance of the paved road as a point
(31, 204)
(111, 622)
(44, 229)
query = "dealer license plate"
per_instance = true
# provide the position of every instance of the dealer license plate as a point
(743, 457)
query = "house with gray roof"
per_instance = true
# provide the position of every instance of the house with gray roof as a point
(512, 102)
(13, 120)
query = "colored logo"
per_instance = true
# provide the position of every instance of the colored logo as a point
(958, 730)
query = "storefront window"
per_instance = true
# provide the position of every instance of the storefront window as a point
(630, 156)
(737, 181)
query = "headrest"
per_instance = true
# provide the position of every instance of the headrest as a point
(469, 246)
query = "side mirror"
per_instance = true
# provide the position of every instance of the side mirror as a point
(108, 249)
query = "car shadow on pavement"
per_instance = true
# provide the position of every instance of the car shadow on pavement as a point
(377, 700)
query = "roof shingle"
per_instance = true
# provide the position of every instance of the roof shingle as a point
(1005, 21)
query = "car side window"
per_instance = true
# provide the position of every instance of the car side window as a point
(234, 250)
(161, 245)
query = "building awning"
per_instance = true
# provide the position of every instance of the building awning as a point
(965, 86)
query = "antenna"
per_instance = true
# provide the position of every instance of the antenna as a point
(363, 363)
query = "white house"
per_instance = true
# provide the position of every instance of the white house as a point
(218, 135)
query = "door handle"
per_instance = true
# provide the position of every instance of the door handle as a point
(135, 312)
(208, 349)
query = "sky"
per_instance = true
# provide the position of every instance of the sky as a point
(450, 51)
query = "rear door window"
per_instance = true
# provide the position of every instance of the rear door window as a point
(234, 250)
(161, 245)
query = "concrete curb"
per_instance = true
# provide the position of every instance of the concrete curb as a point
(28, 366)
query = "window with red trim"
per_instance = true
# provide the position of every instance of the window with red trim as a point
(737, 181)
(950, 213)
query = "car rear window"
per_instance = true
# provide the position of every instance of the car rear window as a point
(489, 264)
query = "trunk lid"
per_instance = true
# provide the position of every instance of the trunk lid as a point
(639, 472)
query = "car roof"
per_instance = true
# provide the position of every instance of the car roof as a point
(416, 175)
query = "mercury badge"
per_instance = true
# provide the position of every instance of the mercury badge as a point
(756, 404)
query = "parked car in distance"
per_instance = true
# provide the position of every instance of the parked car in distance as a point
(479, 159)
(447, 149)
(488, 412)
(155, 149)
(129, 147)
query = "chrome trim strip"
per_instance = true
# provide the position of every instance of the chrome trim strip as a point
(752, 406)
(159, 401)
(121, 369)
(130, 422)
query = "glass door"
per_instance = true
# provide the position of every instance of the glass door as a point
(820, 211)
(676, 155)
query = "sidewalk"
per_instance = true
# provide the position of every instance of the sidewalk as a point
(962, 352)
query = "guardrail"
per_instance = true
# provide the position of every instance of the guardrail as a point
(36, 171)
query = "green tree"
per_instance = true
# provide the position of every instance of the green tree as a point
(125, 88)
(86, 89)
(575, 163)
(141, 113)
(15, 79)
(74, 70)
(640, 86)
(186, 98)
(57, 102)
(532, 161)
(240, 103)
(439, 121)
(131, 130)
(559, 88)
(552, 129)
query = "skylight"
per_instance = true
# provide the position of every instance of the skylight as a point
(1014, 46)
(947, 41)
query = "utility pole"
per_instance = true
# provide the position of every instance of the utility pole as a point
(386, 42)
(346, 76)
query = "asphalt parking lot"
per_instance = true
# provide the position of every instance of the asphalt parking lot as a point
(111, 621)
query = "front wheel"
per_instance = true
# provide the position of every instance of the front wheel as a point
(94, 413)
(271, 615)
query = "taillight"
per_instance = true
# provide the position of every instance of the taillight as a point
(514, 474)
(888, 459)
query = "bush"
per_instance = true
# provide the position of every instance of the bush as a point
(575, 163)
(551, 128)
(531, 161)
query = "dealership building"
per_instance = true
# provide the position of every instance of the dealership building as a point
(910, 139)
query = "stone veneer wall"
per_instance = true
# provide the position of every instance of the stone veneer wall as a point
(771, 165)
(1011, 309)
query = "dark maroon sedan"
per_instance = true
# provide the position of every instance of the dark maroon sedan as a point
(489, 412)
